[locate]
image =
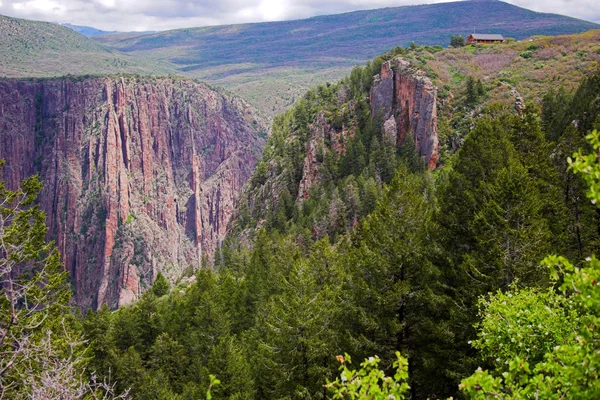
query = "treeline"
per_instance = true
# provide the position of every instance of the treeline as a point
(401, 267)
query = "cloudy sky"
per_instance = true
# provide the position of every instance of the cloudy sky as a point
(129, 15)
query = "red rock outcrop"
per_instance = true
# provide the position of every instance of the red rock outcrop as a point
(320, 132)
(140, 174)
(406, 99)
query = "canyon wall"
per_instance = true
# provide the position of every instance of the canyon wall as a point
(406, 99)
(140, 174)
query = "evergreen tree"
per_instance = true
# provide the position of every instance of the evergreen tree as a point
(161, 286)
(457, 41)
(42, 351)
(472, 94)
(393, 283)
(295, 338)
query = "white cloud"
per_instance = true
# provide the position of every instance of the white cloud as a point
(126, 15)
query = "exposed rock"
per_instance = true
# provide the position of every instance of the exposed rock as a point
(519, 101)
(316, 143)
(409, 98)
(403, 97)
(319, 132)
(390, 131)
(140, 174)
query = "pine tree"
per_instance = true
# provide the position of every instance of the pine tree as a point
(471, 91)
(295, 338)
(161, 286)
(510, 232)
(393, 283)
(493, 232)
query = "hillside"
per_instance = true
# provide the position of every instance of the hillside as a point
(272, 64)
(320, 129)
(42, 49)
(518, 71)
(87, 30)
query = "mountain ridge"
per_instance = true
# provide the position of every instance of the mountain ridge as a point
(279, 61)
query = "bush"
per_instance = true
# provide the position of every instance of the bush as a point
(457, 41)
(526, 53)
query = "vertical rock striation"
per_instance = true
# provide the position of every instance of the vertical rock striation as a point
(406, 99)
(140, 174)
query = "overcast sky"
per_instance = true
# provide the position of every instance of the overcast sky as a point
(129, 15)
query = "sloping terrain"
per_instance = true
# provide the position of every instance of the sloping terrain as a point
(509, 73)
(87, 30)
(273, 64)
(91, 31)
(345, 38)
(325, 137)
(42, 49)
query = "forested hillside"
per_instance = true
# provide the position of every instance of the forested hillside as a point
(434, 213)
(383, 254)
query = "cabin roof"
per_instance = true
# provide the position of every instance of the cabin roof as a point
(483, 36)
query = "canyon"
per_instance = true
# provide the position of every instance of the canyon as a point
(141, 175)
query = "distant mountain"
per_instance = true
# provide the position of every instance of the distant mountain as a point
(91, 32)
(269, 64)
(272, 64)
(344, 38)
(87, 30)
(43, 49)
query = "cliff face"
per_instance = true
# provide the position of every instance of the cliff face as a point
(140, 174)
(320, 133)
(406, 100)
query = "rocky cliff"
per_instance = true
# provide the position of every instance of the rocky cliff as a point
(406, 99)
(140, 174)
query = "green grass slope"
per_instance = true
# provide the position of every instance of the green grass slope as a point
(42, 49)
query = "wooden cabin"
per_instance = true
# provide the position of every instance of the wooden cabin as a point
(485, 38)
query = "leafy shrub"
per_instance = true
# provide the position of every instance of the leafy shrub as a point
(526, 53)
(370, 382)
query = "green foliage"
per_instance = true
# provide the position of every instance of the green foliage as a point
(457, 41)
(556, 332)
(527, 53)
(161, 286)
(42, 353)
(369, 382)
(525, 323)
(376, 254)
(393, 286)
(474, 90)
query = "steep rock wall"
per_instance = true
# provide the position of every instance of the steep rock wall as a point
(406, 99)
(320, 132)
(140, 174)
